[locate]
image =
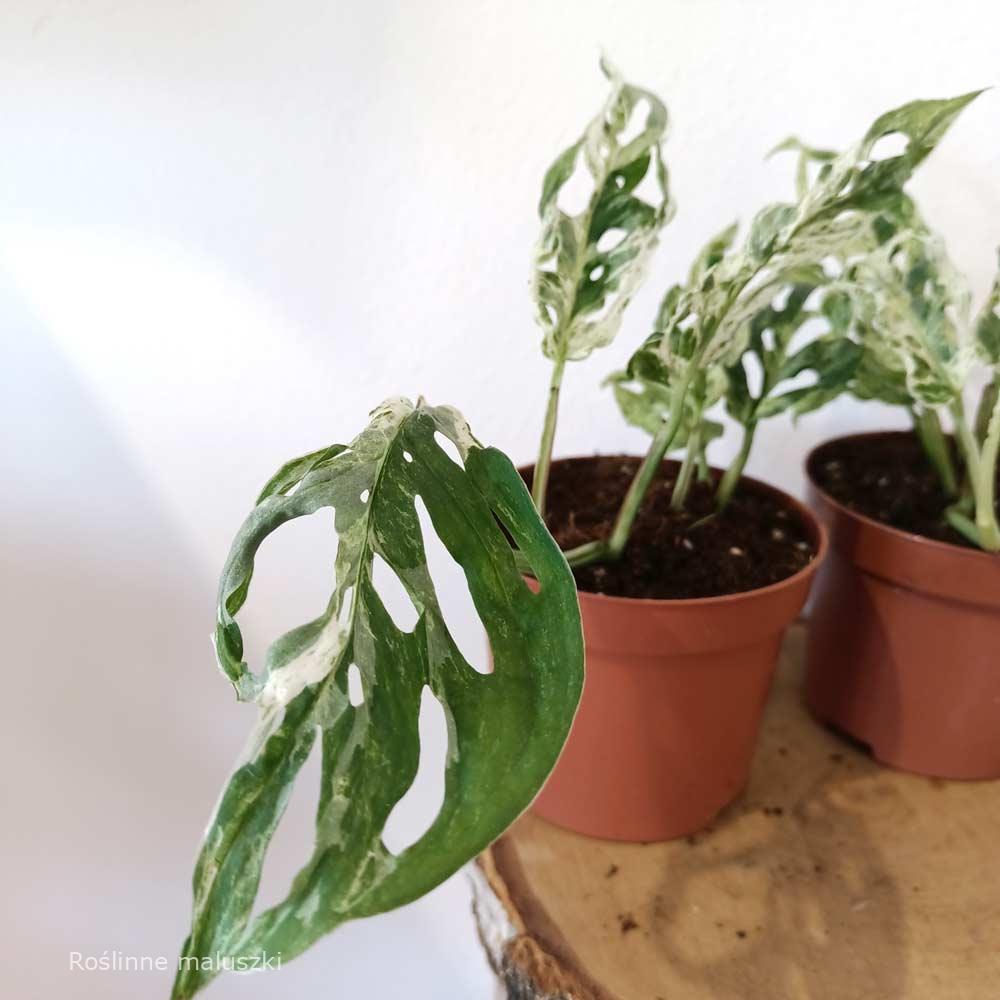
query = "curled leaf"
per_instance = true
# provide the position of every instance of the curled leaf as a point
(505, 728)
(588, 265)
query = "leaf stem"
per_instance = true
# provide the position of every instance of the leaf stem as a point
(683, 484)
(614, 545)
(982, 467)
(540, 480)
(731, 477)
(935, 444)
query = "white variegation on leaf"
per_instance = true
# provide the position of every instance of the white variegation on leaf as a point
(912, 315)
(580, 285)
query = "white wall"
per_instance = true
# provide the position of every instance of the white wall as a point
(227, 230)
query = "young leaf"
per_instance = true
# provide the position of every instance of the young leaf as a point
(911, 306)
(505, 729)
(588, 266)
(834, 361)
(646, 404)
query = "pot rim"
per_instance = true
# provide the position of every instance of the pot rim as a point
(905, 537)
(820, 534)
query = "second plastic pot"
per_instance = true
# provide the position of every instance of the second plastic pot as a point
(904, 645)
(671, 707)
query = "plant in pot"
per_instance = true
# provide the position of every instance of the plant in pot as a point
(505, 729)
(689, 576)
(903, 650)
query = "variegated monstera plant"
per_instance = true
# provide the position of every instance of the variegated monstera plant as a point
(773, 303)
(814, 258)
(505, 728)
(909, 311)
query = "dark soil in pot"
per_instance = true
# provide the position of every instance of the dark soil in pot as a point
(888, 478)
(756, 541)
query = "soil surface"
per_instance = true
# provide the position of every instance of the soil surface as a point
(888, 479)
(754, 542)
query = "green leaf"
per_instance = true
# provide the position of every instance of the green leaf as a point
(833, 359)
(505, 728)
(589, 265)
(646, 402)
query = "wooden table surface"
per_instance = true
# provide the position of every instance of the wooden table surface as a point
(831, 878)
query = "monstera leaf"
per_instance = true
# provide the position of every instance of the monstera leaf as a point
(840, 215)
(912, 318)
(505, 728)
(588, 265)
(646, 403)
(831, 359)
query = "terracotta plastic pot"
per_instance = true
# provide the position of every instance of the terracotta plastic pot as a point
(671, 705)
(904, 645)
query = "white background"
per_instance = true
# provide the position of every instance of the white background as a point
(227, 230)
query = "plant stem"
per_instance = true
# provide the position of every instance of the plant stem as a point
(982, 467)
(614, 545)
(683, 484)
(731, 477)
(647, 471)
(540, 480)
(935, 444)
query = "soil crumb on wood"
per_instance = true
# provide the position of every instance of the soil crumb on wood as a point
(754, 542)
(889, 479)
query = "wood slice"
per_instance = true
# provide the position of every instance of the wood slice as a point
(831, 878)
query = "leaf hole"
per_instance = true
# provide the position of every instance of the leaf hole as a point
(346, 607)
(636, 123)
(575, 194)
(648, 189)
(355, 689)
(302, 550)
(889, 146)
(754, 372)
(449, 448)
(393, 595)
(295, 831)
(609, 239)
(365, 493)
(407, 456)
(457, 608)
(414, 814)
(597, 273)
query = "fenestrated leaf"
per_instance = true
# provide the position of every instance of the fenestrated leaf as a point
(581, 285)
(505, 728)
(853, 204)
(832, 359)
(646, 404)
(911, 308)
